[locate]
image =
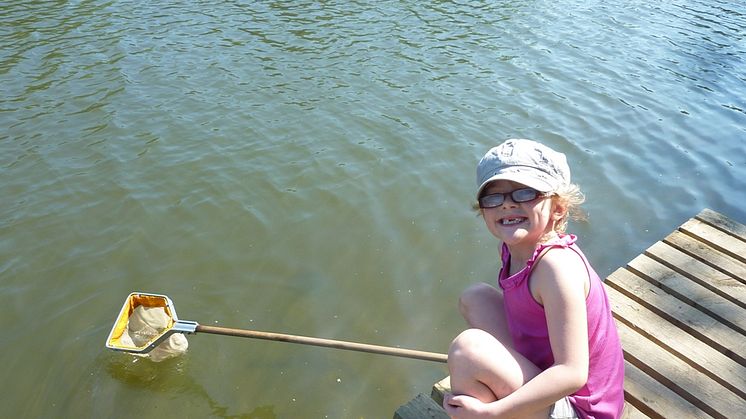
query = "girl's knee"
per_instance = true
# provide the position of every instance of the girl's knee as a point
(481, 366)
(474, 296)
(470, 343)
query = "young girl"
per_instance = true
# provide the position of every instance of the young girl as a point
(543, 345)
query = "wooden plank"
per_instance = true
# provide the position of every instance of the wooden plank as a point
(688, 383)
(723, 223)
(439, 389)
(689, 349)
(689, 291)
(631, 412)
(421, 407)
(701, 326)
(698, 250)
(653, 399)
(733, 246)
(696, 270)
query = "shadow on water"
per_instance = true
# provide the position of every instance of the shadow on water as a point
(171, 377)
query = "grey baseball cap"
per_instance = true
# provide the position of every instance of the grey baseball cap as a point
(526, 162)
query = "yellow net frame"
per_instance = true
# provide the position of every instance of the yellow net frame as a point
(133, 301)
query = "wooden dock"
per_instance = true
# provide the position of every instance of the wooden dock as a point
(681, 312)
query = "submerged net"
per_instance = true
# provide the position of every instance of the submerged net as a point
(143, 319)
(147, 323)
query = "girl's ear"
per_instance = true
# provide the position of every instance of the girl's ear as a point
(559, 208)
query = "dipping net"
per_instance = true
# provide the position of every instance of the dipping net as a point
(144, 318)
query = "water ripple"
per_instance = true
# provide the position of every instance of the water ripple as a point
(273, 162)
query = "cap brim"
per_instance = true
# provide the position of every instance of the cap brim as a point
(522, 178)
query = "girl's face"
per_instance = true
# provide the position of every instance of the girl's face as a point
(519, 225)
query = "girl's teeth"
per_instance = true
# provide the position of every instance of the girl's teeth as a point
(511, 221)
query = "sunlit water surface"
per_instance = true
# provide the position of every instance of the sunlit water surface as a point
(308, 168)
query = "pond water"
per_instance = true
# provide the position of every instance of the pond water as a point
(308, 168)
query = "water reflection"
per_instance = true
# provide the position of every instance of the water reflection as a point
(171, 377)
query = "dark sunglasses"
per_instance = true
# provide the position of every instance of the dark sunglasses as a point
(518, 196)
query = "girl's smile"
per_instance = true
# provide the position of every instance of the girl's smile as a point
(521, 226)
(510, 221)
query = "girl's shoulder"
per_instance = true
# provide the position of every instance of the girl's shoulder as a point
(558, 268)
(557, 252)
(558, 260)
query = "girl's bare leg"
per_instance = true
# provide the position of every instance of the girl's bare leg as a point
(482, 367)
(481, 360)
(482, 307)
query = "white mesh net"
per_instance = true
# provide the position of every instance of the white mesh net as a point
(144, 324)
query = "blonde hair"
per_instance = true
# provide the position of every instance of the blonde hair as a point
(570, 198)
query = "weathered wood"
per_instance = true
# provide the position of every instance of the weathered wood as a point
(697, 270)
(652, 399)
(689, 383)
(682, 315)
(689, 291)
(631, 412)
(723, 223)
(699, 251)
(733, 246)
(689, 349)
(421, 407)
(439, 389)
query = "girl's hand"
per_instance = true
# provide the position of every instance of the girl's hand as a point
(465, 407)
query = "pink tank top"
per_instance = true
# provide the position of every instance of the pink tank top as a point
(603, 394)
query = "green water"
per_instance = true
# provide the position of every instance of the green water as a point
(308, 168)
